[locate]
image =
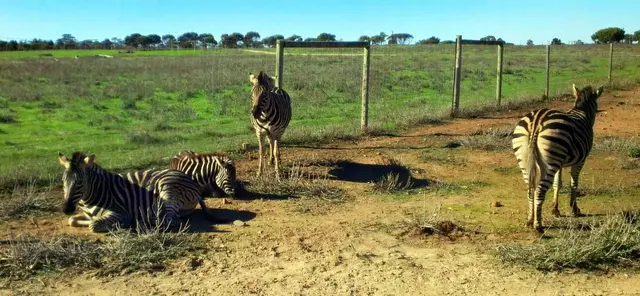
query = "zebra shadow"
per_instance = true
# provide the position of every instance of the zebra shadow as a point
(346, 170)
(242, 193)
(198, 222)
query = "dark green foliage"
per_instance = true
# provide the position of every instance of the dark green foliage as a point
(608, 35)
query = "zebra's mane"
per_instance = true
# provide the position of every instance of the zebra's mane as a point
(193, 155)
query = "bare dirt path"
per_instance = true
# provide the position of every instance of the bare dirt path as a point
(360, 247)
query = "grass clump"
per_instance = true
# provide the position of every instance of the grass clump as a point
(25, 201)
(120, 252)
(295, 183)
(614, 241)
(397, 179)
(432, 223)
(493, 139)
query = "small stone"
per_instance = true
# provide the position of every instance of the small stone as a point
(239, 223)
(496, 204)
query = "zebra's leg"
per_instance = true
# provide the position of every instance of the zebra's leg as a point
(530, 207)
(271, 148)
(276, 152)
(260, 138)
(109, 221)
(545, 182)
(575, 174)
(79, 220)
(557, 186)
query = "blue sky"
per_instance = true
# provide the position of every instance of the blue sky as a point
(514, 21)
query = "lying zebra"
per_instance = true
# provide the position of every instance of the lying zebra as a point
(108, 200)
(212, 172)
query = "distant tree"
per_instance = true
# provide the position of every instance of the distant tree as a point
(294, 37)
(447, 42)
(430, 40)
(106, 44)
(66, 42)
(636, 36)
(579, 42)
(155, 39)
(117, 42)
(133, 40)
(556, 41)
(252, 39)
(628, 38)
(188, 39)
(326, 37)
(271, 40)
(529, 42)
(488, 38)
(207, 40)
(232, 40)
(12, 45)
(608, 35)
(399, 38)
(168, 40)
(310, 39)
(364, 38)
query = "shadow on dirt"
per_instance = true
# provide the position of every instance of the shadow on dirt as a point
(200, 223)
(345, 170)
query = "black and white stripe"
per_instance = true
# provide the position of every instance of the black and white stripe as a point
(270, 116)
(212, 172)
(546, 140)
(107, 200)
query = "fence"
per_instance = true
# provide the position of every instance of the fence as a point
(402, 77)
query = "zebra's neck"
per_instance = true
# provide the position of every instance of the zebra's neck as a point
(98, 183)
(586, 110)
(209, 170)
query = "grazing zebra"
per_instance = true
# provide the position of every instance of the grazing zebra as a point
(211, 171)
(545, 141)
(125, 200)
(270, 116)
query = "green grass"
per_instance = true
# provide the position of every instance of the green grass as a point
(136, 110)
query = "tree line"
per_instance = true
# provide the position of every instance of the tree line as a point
(252, 39)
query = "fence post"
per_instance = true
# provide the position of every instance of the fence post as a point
(546, 87)
(457, 76)
(364, 116)
(499, 74)
(279, 62)
(610, 61)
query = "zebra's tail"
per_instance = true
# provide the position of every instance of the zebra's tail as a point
(535, 168)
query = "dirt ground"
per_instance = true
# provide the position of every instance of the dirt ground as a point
(360, 247)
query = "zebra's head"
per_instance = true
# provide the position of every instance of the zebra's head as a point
(226, 178)
(587, 98)
(265, 81)
(73, 178)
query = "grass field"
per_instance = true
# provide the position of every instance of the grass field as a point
(136, 110)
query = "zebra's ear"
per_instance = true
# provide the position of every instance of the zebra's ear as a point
(576, 91)
(89, 160)
(63, 160)
(600, 90)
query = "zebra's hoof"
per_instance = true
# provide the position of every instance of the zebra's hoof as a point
(529, 224)
(540, 229)
(555, 213)
(576, 213)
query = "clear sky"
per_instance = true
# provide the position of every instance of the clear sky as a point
(512, 20)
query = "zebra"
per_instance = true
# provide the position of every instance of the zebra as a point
(270, 116)
(210, 170)
(109, 201)
(544, 141)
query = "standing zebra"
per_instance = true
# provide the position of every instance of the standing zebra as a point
(545, 141)
(125, 200)
(211, 171)
(270, 116)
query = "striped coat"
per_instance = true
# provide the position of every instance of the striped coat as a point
(211, 171)
(545, 141)
(270, 116)
(136, 199)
